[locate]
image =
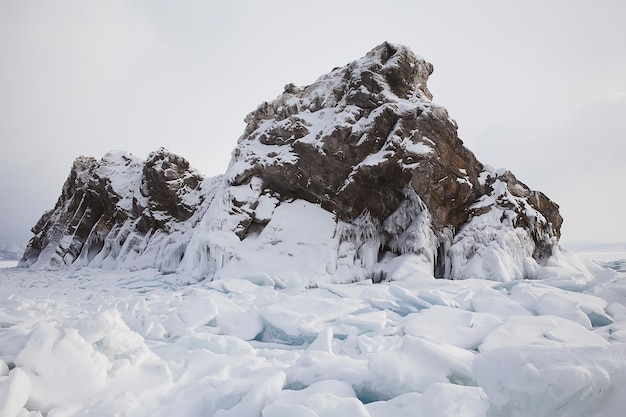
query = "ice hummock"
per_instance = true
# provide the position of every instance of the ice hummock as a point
(98, 342)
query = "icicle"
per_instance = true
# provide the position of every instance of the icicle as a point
(363, 237)
(410, 228)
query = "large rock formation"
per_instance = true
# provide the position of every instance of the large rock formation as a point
(358, 175)
(366, 144)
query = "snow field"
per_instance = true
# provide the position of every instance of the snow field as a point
(101, 343)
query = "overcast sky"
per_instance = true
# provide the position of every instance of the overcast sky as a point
(538, 87)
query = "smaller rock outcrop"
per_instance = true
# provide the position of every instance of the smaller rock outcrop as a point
(121, 211)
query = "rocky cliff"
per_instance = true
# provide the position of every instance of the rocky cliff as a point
(366, 145)
(358, 175)
(121, 212)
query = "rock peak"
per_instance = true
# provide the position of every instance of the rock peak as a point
(404, 71)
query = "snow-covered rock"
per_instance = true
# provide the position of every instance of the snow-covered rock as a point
(367, 161)
(356, 176)
(122, 212)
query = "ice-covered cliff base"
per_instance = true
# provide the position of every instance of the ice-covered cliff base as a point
(300, 242)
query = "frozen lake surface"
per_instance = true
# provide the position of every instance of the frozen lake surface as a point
(93, 342)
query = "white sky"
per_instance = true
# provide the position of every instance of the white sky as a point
(538, 87)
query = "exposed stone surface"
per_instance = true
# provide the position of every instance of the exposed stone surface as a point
(114, 211)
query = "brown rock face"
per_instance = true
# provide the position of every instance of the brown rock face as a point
(113, 208)
(166, 179)
(360, 137)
